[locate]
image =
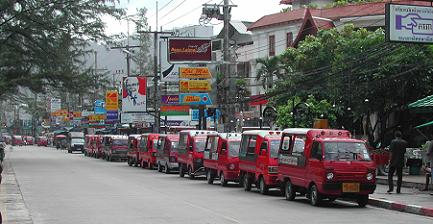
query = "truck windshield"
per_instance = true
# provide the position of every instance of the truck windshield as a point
(120, 142)
(77, 141)
(174, 146)
(275, 145)
(346, 151)
(199, 144)
(234, 148)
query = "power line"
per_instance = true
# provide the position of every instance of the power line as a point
(187, 13)
(174, 8)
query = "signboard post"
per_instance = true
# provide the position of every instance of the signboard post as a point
(409, 23)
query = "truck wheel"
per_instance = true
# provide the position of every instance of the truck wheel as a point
(362, 201)
(209, 176)
(190, 173)
(150, 165)
(143, 165)
(167, 169)
(181, 170)
(136, 163)
(315, 197)
(159, 168)
(289, 191)
(247, 183)
(262, 186)
(223, 180)
(129, 161)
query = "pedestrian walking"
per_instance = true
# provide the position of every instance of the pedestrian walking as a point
(430, 157)
(2, 156)
(396, 164)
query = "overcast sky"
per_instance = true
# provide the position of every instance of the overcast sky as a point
(180, 13)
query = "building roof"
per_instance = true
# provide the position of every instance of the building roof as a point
(346, 11)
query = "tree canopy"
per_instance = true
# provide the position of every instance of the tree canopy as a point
(42, 42)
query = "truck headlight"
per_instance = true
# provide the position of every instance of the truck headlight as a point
(330, 176)
(370, 176)
(231, 166)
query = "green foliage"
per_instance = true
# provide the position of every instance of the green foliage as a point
(269, 68)
(43, 42)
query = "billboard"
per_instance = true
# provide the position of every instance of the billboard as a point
(195, 99)
(130, 118)
(183, 50)
(195, 73)
(111, 100)
(409, 23)
(170, 99)
(186, 86)
(134, 94)
(174, 110)
(55, 104)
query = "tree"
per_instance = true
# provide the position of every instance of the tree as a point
(269, 67)
(42, 42)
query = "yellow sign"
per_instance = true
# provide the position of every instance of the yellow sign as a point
(97, 117)
(194, 86)
(60, 113)
(195, 73)
(112, 100)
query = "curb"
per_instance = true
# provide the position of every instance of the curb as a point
(403, 184)
(396, 206)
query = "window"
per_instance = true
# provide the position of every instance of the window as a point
(264, 148)
(272, 45)
(183, 138)
(286, 144)
(143, 144)
(251, 149)
(316, 151)
(298, 146)
(234, 148)
(244, 146)
(346, 151)
(161, 144)
(289, 39)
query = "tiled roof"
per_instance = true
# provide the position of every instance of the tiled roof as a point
(286, 2)
(351, 10)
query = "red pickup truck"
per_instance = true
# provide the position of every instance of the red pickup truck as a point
(133, 152)
(221, 157)
(167, 153)
(147, 150)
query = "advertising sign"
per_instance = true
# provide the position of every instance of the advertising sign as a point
(174, 110)
(112, 116)
(195, 99)
(409, 23)
(174, 123)
(195, 115)
(170, 99)
(130, 118)
(181, 50)
(111, 100)
(195, 73)
(134, 94)
(99, 107)
(194, 86)
(96, 117)
(55, 104)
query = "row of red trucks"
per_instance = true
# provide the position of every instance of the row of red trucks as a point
(320, 164)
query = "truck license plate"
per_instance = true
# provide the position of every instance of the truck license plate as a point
(350, 187)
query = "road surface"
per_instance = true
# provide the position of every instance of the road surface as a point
(71, 188)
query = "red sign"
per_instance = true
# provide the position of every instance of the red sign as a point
(189, 49)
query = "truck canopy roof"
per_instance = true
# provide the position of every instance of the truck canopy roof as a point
(263, 133)
(318, 133)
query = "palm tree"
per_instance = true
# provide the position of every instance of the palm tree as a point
(269, 67)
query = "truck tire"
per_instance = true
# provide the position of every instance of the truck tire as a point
(143, 165)
(209, 176)
(129, 161)
(181, 170)
(247, 183)
(167, 169)
(264, 189)
(315, 196)
(223, 180)
(289, 191)
(159, 168)
(362, 200)
(190, 173)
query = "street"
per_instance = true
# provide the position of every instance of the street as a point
(62, 188)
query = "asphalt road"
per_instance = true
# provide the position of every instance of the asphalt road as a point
(63, 188)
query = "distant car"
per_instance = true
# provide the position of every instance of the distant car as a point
(42, 141)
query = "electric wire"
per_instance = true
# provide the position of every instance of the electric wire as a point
(187, 13)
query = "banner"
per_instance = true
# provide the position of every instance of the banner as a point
(60, 113)
(170, 99)
(111, 100)
(134, 94)
(112, 116)
(97, 117)
(181, 50)
(195, 115)
(174, 123)
(131, 118)
(195, 99)
(99, 107)
(174, 110)
(55, 104)
(194, 86)
(195, 73)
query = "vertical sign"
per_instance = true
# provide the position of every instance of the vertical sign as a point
(134, 94)
(111, 100)
(55, 104)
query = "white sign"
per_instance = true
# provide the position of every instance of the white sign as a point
(55, 104)
(134, 94)
(409, 23)
(131, 118)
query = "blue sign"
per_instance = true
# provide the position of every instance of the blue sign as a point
(99, 107)
(112, 116)
(195, 115)
(195, 99)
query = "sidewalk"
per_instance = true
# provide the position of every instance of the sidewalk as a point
(411, 199)
(12, 207)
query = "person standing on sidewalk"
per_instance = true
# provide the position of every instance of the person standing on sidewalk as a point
(2, 156)
(398, 149)
(430, 158)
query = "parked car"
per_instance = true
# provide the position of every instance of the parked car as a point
(132, 155)
(147, 151)
(115, 147)
(190, 152)
(325, 164)
(221, 157)
(258, 159)
(166, 156)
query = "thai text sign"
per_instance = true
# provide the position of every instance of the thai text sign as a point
(111, 100)
(60, 113)
(195, 73)
(134, 94)
(170, 99)
(189, 50)
(174, 110)
(194, 86)
(409, 23)
(195, 99)
(96, 117)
